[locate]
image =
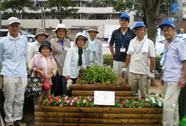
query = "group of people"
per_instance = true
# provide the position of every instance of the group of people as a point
(59, 63)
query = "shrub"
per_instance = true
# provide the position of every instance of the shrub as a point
(107, 59)
(99, 75)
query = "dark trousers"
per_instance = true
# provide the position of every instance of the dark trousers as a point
(56, 88)
(64, 86)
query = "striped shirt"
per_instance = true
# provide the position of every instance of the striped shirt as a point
(47, 65)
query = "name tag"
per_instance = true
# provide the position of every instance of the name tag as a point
(137, 58)
(122, 50)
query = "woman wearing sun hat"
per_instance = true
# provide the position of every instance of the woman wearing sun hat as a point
(40, 36)
(60, 45)
(43, 65)
(93, 54)
(74, 62)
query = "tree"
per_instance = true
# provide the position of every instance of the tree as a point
(62, 8)
(17, 7)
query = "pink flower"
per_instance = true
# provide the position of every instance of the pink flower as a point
(51, 100)
(147, 105)
(71, 103)
(66, 97)
(67, 101)
(90, 99)
(49, 96)
(61, 105)
(121, 106)
(78, 102)
(143, 99)
(136, 102)
(139, 107)
(123, 102)
(59, 100)
(85, 101)
(76, 98)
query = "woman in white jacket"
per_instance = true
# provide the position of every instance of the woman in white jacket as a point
(74, 62)
(94, 53)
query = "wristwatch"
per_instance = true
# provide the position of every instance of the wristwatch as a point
(152, 71)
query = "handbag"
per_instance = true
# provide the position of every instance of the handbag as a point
(46, 85)
(34, 87)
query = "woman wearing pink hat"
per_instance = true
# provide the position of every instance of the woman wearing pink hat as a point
(60, 45)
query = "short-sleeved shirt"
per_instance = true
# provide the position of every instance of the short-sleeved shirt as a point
(142, 66)
(115, 38)
(174, 60)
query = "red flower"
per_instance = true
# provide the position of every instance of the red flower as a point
(147, 105)
(49, 96)
(51, 100)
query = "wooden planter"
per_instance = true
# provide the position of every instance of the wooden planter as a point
(97, 116)
(122, 91)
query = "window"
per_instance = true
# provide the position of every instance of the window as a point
(174, 19)
(138, 18)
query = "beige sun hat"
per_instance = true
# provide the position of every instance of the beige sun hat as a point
(41, 31)
(93, 28)
(63, 26)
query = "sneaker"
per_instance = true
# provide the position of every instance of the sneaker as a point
(10, 124)
(18, 123)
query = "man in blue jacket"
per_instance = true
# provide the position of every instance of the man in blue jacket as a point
(13, 59)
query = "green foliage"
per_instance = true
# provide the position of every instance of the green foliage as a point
(62, 8)
(107, 59)
(158, 69)
(17, 7)
(99, 75)
(153, 102)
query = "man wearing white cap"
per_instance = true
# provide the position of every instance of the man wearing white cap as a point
(140, 51)
(13, 59)
(174, 72)
(121, 38)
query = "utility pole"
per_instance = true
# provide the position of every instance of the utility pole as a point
(0, 15)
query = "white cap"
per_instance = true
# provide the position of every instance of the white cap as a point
(12, 20)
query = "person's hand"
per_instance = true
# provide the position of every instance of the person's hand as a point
(81, 70)
(69, 84)
(67, 77)
(151, 75)
(42, 74)
(182, 83)
(48, 77)
(162, 82)
(124, 70)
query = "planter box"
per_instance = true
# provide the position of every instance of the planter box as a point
(122, 91)
(97, 116)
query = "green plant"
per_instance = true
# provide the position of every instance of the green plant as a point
(107, 59)
(99, 75)
(158, 70)
(153, 102)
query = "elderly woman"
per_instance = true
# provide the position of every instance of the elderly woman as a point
(43, 65)
(74, 62)
(60, 46)
(40, 36)
(93, 54)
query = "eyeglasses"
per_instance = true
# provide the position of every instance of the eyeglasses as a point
(166, 30)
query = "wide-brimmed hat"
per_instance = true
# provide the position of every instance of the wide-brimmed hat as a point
(12, 20)
(93, 28)
(139, 24)
(167, 23)
(63, 26)
(41, 31)
(45, 43)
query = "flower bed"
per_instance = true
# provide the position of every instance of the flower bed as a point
(80, 111)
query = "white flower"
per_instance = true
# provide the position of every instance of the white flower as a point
(146, 99)
(160, 104)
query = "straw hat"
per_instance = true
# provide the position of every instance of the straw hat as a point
(41, 31)
(63, 27)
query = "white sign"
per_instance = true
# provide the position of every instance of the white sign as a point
(104, 98)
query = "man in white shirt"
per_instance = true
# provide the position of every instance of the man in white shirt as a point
(140, 51)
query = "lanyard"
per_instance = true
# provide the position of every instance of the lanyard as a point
(140, 47)
(62, 44)
(123, 42)
(168, 49)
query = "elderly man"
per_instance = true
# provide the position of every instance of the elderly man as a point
(174, 66)
(141, 50)
(121, 38)
(13, 59)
